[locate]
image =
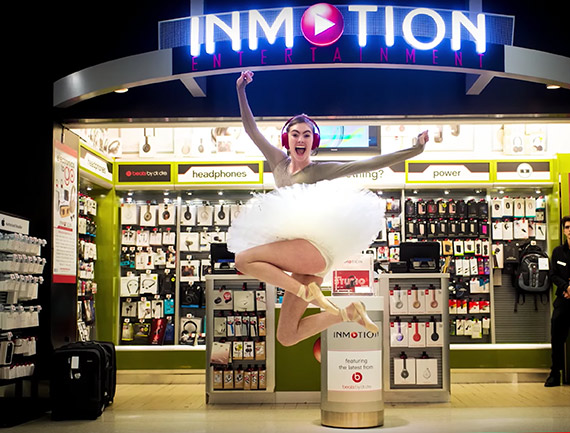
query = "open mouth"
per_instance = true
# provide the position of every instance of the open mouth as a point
(300, 150)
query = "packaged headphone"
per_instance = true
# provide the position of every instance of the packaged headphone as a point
(316, 131)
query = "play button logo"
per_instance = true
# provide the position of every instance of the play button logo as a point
(322, 24)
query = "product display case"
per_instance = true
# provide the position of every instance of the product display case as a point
(240, 323)
(21, 269)
(459, 222)
(166, 245)
(416, 337)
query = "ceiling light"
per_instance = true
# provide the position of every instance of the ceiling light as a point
(124, 90)
(552, 86)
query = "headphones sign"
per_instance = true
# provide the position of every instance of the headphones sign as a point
(220, 173)
(328, 34)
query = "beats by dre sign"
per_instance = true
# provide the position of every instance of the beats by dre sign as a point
(328, 34)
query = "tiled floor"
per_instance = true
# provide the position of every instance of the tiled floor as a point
(523, 407)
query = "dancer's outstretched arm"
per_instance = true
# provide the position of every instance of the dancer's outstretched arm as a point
(272, 154)
(331, 170)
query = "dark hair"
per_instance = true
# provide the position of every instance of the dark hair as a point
(301, 118)
(563, 222)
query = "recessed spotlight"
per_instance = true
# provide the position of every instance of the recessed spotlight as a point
(166, 193)
(552, 86)
(446, 191)
(124, 90)
(220, 193)
(130, 193)
(189, 193)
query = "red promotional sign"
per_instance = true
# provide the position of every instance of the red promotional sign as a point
(347, 281)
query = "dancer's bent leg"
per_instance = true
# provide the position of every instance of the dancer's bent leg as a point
(292, 326)
(270, 263)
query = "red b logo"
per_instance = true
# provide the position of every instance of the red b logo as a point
(357, 377)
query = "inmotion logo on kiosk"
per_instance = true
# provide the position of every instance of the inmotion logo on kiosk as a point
(324, 33)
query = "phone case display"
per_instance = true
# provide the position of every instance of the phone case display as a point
(517, 220)
(21, 269)
(416, 336)
(460, 224)
(387, 245)
(148, 260)
(240, 340)
(87, 256)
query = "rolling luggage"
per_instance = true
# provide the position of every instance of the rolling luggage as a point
(111, 374)
(83, 380)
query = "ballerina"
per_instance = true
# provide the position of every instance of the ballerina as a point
(293, 236)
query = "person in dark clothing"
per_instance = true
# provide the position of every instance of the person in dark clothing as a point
(560, 322)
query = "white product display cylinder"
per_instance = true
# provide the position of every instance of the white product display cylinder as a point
(351, 369)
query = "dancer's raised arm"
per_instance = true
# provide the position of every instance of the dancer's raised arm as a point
(272, 154)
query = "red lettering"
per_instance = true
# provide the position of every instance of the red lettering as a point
(217, 60)
(263, 57)
(458, 58)
(240, 57)
(194, 64)
(313, 49)
(480, 60)
(411, 56)
(434, 57)
(288, 53)
(383, 54)
(361, 54)
(337, 55)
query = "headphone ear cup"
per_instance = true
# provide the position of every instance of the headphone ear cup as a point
(285, 140)
(316, 139)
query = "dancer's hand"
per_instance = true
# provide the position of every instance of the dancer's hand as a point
(244, 79)
(422, 139)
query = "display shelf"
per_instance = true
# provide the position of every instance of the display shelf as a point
(240, 322)
(87, 256)
(21, 268)
(416, 337)
(459, 221)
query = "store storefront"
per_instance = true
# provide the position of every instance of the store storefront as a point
(160, 171)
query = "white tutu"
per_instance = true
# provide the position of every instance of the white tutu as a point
(340, 219)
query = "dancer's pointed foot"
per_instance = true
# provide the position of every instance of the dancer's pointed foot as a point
(359, 315)
(312, 292)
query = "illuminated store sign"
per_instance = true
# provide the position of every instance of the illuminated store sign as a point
(324, 33)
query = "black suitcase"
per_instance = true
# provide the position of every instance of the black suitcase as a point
(83, 380)
(111, 374)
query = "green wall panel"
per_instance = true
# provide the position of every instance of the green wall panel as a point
(495, 358)
(161, 359)
(296, 368)
(107, 265)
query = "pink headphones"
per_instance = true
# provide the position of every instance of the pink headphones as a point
(316, 132)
